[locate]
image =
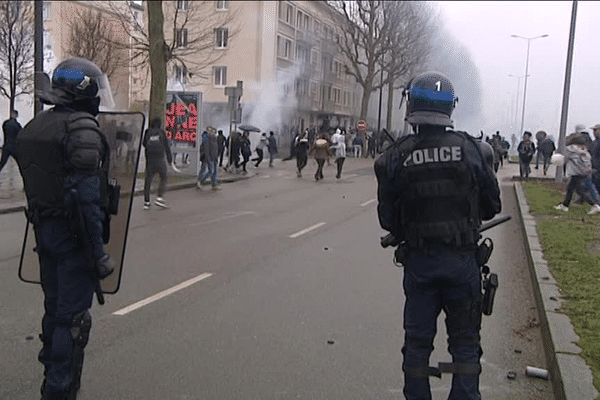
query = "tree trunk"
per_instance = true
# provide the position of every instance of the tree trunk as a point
(364, 105)
(158, 61)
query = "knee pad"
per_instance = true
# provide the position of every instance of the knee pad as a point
(80, 332)
(81, 326)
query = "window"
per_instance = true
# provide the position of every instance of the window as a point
(337, 69)
(284, 47)
(221, 36)
(336, 95)
(326, 62)
(314, 59)
(220, 76)
(222, 5)
(317, 27)
(313, 89)
(301, 87)
(183, 5)
(302, 54)
(46, 10)
(302, 21)
(181, 74)
(286, 13)
(47, 40)
(139, 4)
(181, 36)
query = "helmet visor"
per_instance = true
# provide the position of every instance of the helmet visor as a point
(107, 102)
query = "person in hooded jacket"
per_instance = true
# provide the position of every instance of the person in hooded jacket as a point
(156, 149)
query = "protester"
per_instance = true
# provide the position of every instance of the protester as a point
(262, 144)
(526, 150)
(272, 147)
(301, 147)
(595, 154)
(539, 137)
(320, 149)
(221, 139)
(339, 147)
(357, 143)
(155, 143)
(546, 148)
(11, 128)
(210, 158)
(245, 150)
(579, 168)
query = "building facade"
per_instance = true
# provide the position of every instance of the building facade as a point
(284, 52)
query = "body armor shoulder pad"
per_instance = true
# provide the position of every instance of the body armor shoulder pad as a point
(85, 142)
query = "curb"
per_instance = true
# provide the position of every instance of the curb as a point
(20, 206)
(571, 377)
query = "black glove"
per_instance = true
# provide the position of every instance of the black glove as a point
(104, 266)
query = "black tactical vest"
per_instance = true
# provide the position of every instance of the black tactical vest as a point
(52, 146)
(40, 152)
(439, 196)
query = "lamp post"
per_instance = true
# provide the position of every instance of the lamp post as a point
(526, 74)
(517, 97)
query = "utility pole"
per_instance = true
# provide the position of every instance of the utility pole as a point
(566, 91)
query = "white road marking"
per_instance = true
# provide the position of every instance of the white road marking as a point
(366, 203)
(349, 176)
(310, 228)
(162, 294)
(224, 217)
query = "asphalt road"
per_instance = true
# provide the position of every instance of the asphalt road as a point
(278, 289)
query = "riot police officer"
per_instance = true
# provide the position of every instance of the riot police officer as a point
(62, 156)
(434, 189)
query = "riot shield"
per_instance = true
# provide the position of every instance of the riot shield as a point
(124, 132)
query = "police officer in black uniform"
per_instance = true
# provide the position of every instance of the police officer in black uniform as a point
(434, 190)
(62, 156)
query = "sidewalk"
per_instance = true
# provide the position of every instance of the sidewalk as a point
(12, 196)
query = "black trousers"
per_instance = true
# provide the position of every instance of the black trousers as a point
(258, 159)
(155, 165)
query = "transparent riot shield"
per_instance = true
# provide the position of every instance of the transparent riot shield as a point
(124, 132)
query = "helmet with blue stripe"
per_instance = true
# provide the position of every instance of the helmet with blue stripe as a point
(430, 100)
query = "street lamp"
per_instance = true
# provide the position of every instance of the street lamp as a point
(515, 121)
(526, 73)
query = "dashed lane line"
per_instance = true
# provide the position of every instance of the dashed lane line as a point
(310, 228)
(160, 295)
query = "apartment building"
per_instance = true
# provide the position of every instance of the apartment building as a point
(284, 52)
(58, 17)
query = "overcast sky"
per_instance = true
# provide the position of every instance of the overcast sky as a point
(485, 28)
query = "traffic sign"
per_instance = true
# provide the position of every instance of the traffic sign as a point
(361, 125)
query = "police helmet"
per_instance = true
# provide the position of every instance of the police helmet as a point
(76, 79)
(430, 100)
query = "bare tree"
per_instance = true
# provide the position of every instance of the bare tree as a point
(410, 39)
(158, 55)
(186, 38)
(363, 42)
(16, 49)
(92, 36)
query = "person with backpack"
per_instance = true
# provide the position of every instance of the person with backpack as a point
(156, 147)
(320, 149)
(526, 150)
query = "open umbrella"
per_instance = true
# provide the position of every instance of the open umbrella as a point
(249, 128)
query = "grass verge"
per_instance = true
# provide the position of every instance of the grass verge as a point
(571, 245)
